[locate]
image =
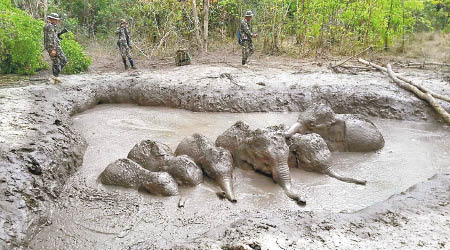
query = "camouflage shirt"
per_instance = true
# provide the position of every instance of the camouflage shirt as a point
(246, 30)
(124, 37)
(51, 40)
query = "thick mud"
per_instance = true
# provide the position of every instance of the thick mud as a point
(40, 150)
(118, 218)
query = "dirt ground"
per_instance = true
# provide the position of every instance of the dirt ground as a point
(41, 151)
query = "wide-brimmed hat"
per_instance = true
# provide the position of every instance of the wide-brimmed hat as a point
(53, 16)
(249, 13)
(123, 21)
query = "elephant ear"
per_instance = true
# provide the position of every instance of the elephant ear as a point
(303, 159)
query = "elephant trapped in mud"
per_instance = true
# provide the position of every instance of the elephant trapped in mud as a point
(264, 151)
(342, 132)
(127, 173)
(310, 152)
(216, 162)
(158, 157)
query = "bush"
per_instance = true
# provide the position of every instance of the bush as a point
(20, 41)
(78, 61)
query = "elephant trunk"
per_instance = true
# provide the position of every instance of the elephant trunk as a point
(296, 128)
(226, 184)
(282, 176)
(333, 174)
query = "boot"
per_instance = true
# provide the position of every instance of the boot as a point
(243, 61)
(125, 63)
(55, 80)
(132, 63)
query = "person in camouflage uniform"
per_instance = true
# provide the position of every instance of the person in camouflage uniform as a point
(246, 37)
(124, 44)
(52, 44)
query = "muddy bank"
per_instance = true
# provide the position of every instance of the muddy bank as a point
(40, 149)
(415, 219)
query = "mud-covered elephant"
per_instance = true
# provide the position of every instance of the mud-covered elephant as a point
(129, 174)
(216, 162)
(310, 152)
(342, 132)
(158, 157)
(264, 151)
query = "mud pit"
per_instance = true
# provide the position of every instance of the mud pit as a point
(92, 216)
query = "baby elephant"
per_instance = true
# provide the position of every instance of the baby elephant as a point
(342, 132)
(311, 153)
(158, 157)
(129, 174)
(264, 151)
(216, 162)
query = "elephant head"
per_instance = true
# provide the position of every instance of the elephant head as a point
(127, 173)
(158, 157)
(264, 151)
(342, 132)
(318, 118)
(312, 154)
(216, 162)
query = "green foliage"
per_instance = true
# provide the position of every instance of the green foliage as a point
(78, 61)
(338, 25)
(306, 26)
(435, 16)
(5, 4)
(20, 41)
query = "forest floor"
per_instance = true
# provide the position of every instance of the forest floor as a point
(48, 202)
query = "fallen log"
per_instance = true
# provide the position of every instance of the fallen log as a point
(424, 96)
(356, 67)
(383, 69)
(348, 59)
(422, 65)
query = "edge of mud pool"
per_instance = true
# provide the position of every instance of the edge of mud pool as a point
(40, 149)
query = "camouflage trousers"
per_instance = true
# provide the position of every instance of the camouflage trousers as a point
(125, 51)
(58, 61)
(247, 50)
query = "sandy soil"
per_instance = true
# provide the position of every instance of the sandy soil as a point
(41, 150)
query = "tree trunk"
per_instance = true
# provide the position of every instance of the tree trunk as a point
(403, 26)
(386, 37)
(369, 24)
(205, 24)
(196, 23)
(424, 96)
(45, 9)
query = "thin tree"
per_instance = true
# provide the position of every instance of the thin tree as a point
(196, 23)
(369, 23)
(205, 24)
(403, 26)
(386, 37)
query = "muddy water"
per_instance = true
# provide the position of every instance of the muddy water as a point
(90, 215)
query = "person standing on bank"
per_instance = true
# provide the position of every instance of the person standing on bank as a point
(124, 44)
(53, 46)
(246, 36)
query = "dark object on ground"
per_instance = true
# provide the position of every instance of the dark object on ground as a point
(182, 57)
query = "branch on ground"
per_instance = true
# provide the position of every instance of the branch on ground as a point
(421, 92)
(423, 89)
